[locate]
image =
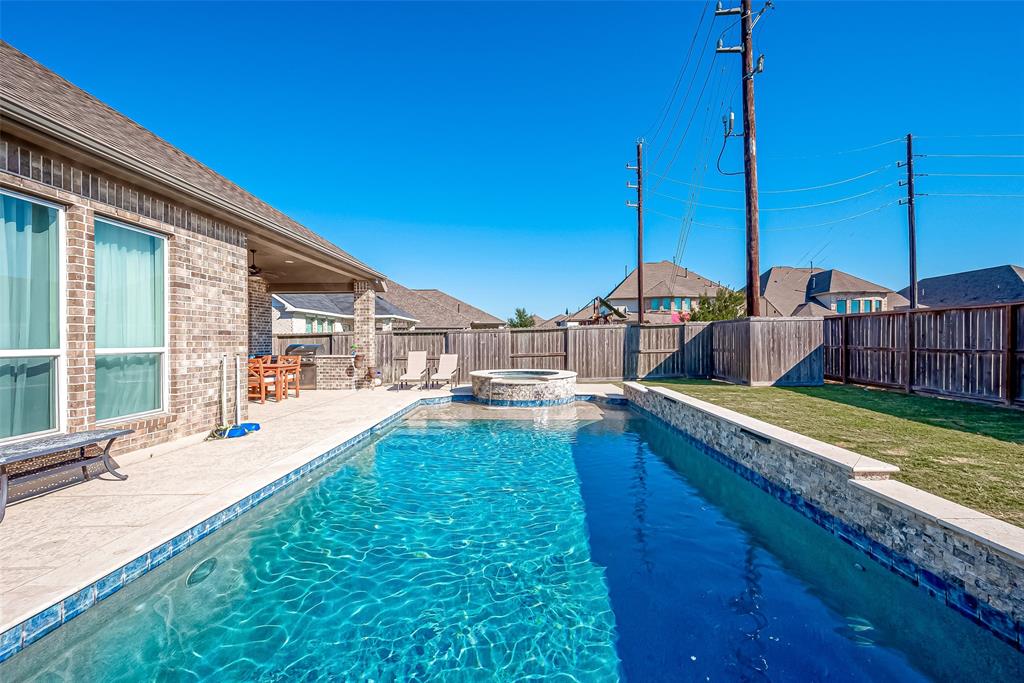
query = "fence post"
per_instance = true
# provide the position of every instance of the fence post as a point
(568, 347)
(1010, 372)
(908, 379)
(844, 363)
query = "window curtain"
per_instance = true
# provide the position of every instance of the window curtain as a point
(129, 288)
(28, 275)
(29, 315)
(129, 314)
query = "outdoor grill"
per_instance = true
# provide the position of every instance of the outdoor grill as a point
(307, 366)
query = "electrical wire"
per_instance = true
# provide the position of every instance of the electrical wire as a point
(719, 226)
(973, 175)
(956, 194)
(972, 156)
(979, 135)
(679, 77)
(838, 152)
(794, 189)
(784, 208)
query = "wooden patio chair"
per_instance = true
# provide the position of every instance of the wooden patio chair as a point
(290, 376)
(260, 381)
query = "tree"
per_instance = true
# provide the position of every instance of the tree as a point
(521, 319)
(728, 305)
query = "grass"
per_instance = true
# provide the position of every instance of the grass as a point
(972, 454)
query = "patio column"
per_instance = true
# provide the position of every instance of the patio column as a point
(364, 325)
(261, 338)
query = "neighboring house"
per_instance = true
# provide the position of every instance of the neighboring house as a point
(789, 291)
(667, 288)
(537, 320)
(124, 269)
(436, 310)
(997, 285)
(315, 313)
(560, 320)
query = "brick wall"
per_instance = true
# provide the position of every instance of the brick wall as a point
(207, 290)
(334, 372)
(261, 334)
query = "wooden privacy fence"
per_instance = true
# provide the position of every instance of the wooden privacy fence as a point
(598, 352)
(973, 352)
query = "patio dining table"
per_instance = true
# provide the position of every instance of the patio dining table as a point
(280, 370)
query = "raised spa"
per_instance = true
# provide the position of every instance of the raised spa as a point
(524, 388)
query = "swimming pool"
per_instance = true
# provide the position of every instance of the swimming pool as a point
(563, 549)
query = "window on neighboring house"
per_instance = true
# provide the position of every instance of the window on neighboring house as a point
(309, 325)
(31, 317)
(855, 306)
(878, 304)
(131, 321)
(666, 303)
(841, 306)
(688, 303)
(679, 303)
(655, 304)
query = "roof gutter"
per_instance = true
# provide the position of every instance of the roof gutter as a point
(45, 124)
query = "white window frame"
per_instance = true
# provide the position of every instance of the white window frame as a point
(142, 350)
(60, 355)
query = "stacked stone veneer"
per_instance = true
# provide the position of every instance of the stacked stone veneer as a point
(364, 328)
(979, 577)
(517, 392)
(207, 290)
(335, 372)
(261, 333)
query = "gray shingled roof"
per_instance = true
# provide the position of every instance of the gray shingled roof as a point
(785, 288)
(339, 303)
(30, 93)
(996, 285)
(434, 311)
(835, 281)
(665, 278)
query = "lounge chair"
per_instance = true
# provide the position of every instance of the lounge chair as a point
(446, 369)
(415, 368)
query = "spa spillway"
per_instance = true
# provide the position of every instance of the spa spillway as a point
(524, 388)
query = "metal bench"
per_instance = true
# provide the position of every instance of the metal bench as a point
(48, 445)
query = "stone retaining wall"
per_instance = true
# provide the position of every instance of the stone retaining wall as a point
(972, 562)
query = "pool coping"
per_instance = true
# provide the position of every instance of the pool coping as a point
(870, 476)
(239, 499)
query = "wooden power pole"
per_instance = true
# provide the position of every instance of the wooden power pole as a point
(746, 52)
(639, 205)
(911, 223)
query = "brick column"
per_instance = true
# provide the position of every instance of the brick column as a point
(365, 306)
(81, 319)
(261, 335)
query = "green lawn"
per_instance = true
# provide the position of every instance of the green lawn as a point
(972, 454)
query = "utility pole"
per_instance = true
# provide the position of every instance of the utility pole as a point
(911, 223)
(746, 52)
(639, 205)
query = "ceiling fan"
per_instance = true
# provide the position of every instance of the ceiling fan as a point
(253, 268)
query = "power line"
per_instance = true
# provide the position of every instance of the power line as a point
(974, 175)
(829, 154)
(952, 194)
(973, 156)
(719, 226)
(784, 208)
(979, 135)
(682, 72)
(794, 189)
(682, 138)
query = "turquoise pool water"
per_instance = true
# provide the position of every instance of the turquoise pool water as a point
(520, 550)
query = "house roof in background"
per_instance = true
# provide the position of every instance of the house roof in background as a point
(553, 322)
(537, 320)
(669, 279)
(469, 311)
(999, 284)
(833, 281)
(785, 288)
(433, 309)
(338, 303)
(40, 99)
(812, 308)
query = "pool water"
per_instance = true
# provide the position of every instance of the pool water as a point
(575, 550)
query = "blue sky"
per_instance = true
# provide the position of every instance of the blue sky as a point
(480, 148)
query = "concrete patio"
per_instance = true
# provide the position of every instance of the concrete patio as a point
(53, 545)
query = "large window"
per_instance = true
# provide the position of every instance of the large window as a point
(131, 327)
(31, 320)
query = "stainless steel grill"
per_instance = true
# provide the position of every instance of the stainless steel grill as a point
(307, 366)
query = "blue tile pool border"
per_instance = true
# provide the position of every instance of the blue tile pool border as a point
(38, 625)
(1002, 625)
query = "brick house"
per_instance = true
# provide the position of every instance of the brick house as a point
(787, 291)
(124, 270)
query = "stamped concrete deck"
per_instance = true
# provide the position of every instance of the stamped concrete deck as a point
(53, 545)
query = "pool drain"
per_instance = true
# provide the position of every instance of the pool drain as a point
(201, 572)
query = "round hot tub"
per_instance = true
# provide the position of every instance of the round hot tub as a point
(524, 388)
